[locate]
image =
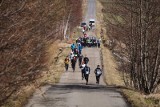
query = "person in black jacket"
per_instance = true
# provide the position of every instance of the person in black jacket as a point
(86, 73)
(86, 59)
(80, 59)
(73, 63)
(98, 73)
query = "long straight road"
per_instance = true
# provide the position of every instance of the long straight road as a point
(72, 91)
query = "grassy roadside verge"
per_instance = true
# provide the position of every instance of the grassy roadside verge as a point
(77, 31)
(114, 77)
(50, 76)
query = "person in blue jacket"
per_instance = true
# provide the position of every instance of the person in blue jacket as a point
(80, 48)
(73, 46)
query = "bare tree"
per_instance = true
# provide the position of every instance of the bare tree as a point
(135, 25)
(26, 28)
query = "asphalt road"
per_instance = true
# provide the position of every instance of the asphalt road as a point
(72, 91)
(91, 10)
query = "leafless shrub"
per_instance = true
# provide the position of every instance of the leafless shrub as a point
(135, 26)
(26, 28)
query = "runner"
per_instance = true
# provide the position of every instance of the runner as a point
(86, 73)
(82, 69)
(73, 63)
(79, 48)
(73, 46)
(66, 62)
(98, 73)
(86, 59)
(80, 59)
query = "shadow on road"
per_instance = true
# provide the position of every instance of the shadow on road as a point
(82, 87)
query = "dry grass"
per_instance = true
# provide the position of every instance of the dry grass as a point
(50, 76)
(77, 31)
(99, 16)
(114, 77)
(21, 97)
(55, 68)
(100, 21)
(138, 99)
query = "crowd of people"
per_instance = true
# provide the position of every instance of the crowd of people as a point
(89, 41)
(76, 57)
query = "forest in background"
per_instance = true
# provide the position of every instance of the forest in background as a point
(27, 28)
(133, 28)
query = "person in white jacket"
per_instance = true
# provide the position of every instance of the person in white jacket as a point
(82, 69)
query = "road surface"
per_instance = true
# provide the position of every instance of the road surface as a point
(91, 11)
(72, 91)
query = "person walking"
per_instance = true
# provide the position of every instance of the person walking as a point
(98, 73)
(86, 73)
(66, 62)
(86, 59)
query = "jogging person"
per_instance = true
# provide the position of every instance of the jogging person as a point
(76, 52)
(66, 62)
(98, 73)
(73, 46)
(82, 69)
(79, 48)
(80, 59)
(86, 73)
(73, 63)
(71, 55)
(86, 59)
